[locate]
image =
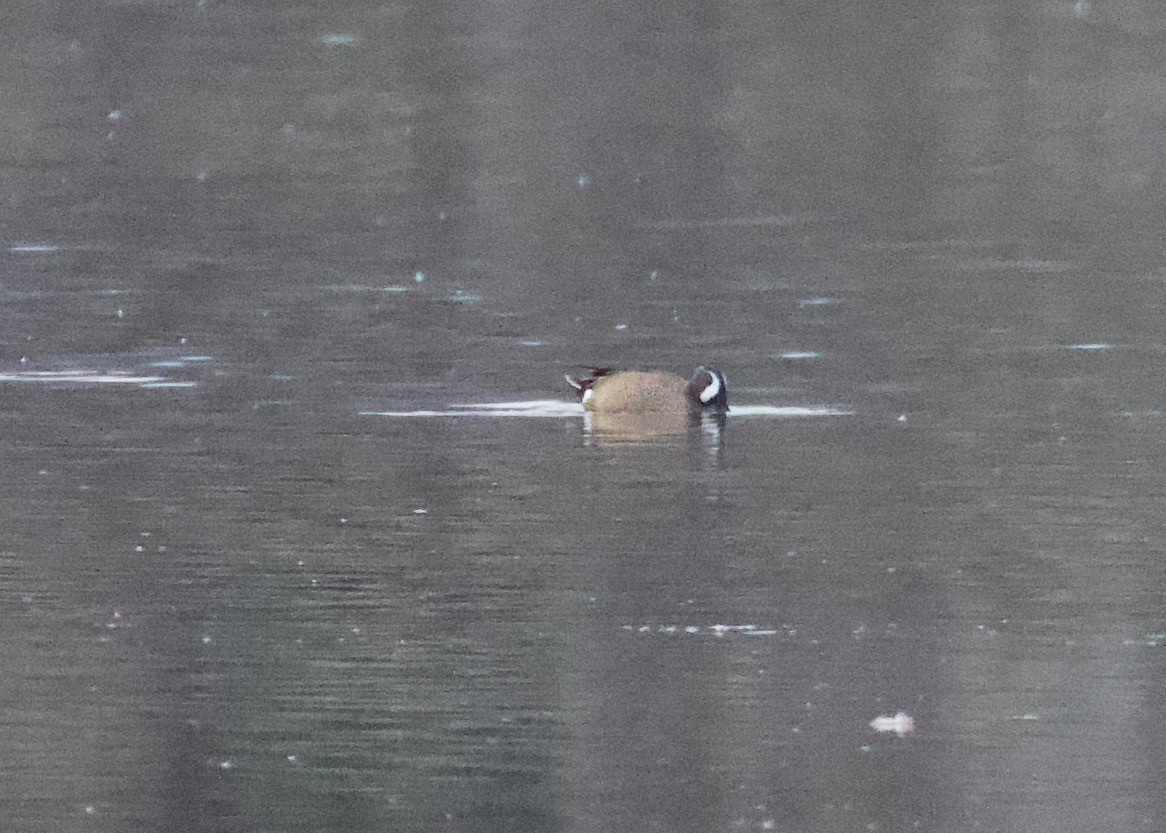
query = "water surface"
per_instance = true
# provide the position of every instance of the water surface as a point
(254, 579)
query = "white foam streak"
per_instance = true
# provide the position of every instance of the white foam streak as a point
(746, 411)
(84, 377)
(539, 408)
(554, 409)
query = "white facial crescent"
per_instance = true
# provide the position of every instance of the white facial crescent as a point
(711, 391)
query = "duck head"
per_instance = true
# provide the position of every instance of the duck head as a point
(709, 389)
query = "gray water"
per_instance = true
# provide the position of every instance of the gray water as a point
(237, 596)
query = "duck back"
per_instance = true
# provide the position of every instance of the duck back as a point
(638, 391)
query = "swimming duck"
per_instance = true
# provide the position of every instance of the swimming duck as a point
(651, 391)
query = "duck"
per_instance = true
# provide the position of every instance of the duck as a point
(603, 390)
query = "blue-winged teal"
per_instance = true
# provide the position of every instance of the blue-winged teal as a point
(651, 391)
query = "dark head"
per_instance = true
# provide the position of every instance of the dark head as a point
(709, 389)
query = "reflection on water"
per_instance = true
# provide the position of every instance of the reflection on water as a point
(621, 427)
(913, 583)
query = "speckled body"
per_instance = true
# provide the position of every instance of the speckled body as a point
(638, 391)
